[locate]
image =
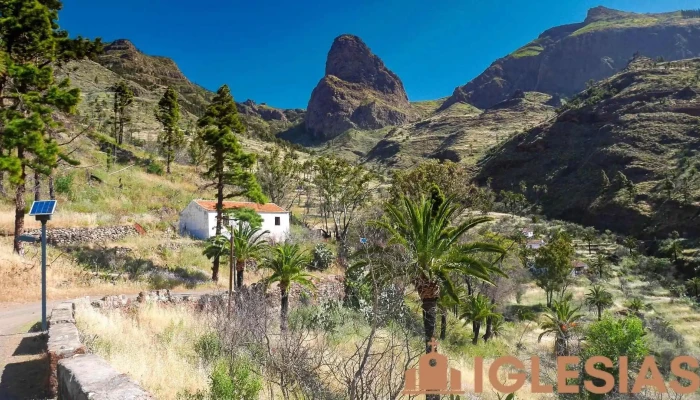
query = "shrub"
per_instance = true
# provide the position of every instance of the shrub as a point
(322, 257)
(154, 167)
(208, 346)
(327, 317)
(229, 381)
(235, 381)
(64, 184)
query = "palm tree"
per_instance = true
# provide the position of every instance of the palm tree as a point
(694, 286)
(287, 264)
(446, 303)
(249, 244)
(599, 298)
(600, 266)
(477, 309)
(676, 249)
(631, 243)
(560, 319)
(424, 229)
(635, 305)
(589, 236)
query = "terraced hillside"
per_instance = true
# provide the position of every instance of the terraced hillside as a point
(622, 155)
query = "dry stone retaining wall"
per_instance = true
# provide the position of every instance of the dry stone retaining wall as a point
(64, 236)
(76, 375)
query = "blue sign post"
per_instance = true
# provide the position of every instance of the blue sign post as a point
(42, 211)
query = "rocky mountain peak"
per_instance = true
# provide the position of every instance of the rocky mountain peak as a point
(121, 45)
(351, 60)
(357, 92)
(602, 13)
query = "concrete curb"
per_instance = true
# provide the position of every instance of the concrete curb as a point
(75, 375)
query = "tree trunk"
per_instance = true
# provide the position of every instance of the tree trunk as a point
(429, 310)
(284, 290)
(37, 186)
(52, 189)
(219, 216)
(488, 333)
(429, 306)
(476, 327)
(3, 192)
(600, 312)
(239, 277)
(19, 208)
(443, 324)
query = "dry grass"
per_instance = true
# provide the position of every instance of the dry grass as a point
(155, 346)
(20, 277)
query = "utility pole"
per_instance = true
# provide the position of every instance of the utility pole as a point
(232, 263)
(42, 211)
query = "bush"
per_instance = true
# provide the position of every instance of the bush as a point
(234, 381)
(229, 381)
(208, 347)
(327, 317)
(154, 167)
(322, 257)
(64, 184)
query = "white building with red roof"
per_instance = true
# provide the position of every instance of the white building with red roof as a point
(198, 219)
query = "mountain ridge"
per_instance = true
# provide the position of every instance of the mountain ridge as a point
(562, 59)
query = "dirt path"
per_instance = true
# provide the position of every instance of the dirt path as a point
(23, 364)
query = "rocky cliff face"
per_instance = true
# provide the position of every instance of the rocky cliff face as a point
(562, 59)
(153, 73)
(358, 91)
(622, 155)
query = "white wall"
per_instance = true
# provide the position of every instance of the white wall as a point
(201, 224)
(194, 221)
(278, 233)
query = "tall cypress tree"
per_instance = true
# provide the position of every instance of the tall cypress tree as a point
(168, 114)
(123, 97)
(228, 165)
(32, 43)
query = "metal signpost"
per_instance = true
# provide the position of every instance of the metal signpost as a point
(42, 211)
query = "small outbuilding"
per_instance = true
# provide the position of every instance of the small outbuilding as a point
(198, 219)
(535, 244)
(579, 268)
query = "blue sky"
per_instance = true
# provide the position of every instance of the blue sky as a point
(275, 51)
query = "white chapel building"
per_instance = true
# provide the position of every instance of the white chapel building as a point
(198, 219)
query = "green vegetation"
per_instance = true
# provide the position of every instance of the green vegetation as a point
(228, 165)
(633, 22)
(168, 114)
(529, 50)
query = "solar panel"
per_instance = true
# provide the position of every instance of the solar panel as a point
(44, 207)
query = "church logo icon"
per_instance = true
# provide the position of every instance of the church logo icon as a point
(431, 376)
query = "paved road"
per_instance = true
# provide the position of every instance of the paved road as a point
(23, 364)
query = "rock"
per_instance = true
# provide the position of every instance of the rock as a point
(358, 91)
(64, 236)
(263, 111)
(562, 59)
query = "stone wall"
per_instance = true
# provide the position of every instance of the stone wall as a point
(76, 375)
(64, 236)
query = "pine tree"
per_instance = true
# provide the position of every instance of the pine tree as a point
(123, 98)
(168, 114)
(197, 150)
(31, 44)
(229, 167)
